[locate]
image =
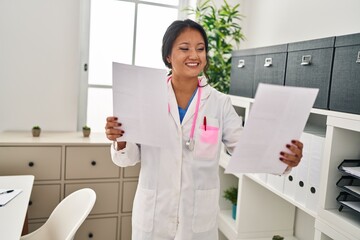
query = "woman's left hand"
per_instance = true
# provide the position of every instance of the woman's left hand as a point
(292, 159)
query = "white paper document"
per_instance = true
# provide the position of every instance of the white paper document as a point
(352, 170)
(355, 189)
(278, 115)
(140, 101)
(6, 195)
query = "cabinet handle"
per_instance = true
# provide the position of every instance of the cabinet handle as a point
(305, 60)
(241, 63)
(301, 183)
(31, 164)
(290, 178)
(93, 162)
(358, 58)
(312, 190)
(90, 235)
(268, 62)
(30, 203)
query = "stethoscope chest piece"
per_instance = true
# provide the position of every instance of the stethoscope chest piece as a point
(190, 144)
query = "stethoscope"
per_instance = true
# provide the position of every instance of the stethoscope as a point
(190, 143)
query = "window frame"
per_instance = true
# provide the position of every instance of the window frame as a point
(84, 86)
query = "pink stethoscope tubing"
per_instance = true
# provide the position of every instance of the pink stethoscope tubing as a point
(190, 143)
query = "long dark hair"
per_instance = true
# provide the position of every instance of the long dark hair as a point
(173, 31)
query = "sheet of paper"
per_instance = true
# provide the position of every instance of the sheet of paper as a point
(353, 205)
(278, 115)
(355, 189)
(140, 101)
(352, 170)
(7, 197)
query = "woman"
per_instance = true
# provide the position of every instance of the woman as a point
(178, 190)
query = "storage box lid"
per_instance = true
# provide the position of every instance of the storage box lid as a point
(312, 44)
(347, 40)
(282, 48)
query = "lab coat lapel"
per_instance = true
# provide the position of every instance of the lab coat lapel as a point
(173, 106)
(205, 92)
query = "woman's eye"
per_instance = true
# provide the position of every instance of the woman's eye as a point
(201, 49)
(184, 49)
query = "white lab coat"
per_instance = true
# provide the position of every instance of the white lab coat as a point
(178, 191)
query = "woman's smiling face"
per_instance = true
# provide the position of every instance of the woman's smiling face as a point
(188, 54)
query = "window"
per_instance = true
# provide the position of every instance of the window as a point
(125, 31)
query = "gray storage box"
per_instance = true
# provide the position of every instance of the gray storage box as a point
(270, 64)
(242, 73)
(345, 83)
(309, 64)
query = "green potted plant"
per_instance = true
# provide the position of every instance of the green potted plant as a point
(36, 130)
(231, 195)
(86, 131)
(223, 30)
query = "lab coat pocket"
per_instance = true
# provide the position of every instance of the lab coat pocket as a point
(144, 209)
(207, 144)
(205, 210)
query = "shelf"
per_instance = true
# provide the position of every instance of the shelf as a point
(227, 224)
(280, 194)
(224, 160)
(241, 101)
(340, 132)
(344, 222)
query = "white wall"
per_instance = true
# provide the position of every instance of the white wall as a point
(271, 22)
(39, 64)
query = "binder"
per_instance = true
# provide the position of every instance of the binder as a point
(313, 186)
(302, 170)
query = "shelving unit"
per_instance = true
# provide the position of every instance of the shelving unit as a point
(265, 209)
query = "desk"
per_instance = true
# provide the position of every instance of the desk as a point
(12, 215)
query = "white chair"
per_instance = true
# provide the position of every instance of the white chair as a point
(66, 218)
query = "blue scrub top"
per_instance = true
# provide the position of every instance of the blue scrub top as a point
(182, 112)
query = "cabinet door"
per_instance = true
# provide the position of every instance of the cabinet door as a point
(271, 73)
(89, 163)
(43, 200)
(128, 194)
(98, 229)
(107, 196)
(42, 162)
(314, 73)
(345, 86)
(132, 171)
(242, 75)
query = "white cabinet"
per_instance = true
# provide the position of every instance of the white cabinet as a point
(301, 205)
(65, 162)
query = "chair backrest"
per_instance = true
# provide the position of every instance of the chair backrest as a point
(66, 218)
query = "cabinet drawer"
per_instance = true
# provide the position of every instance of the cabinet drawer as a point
(345, 84)
(107, 196)
(242, 73)
(42, 162)
(128, 194)
(98, 229)
(132, 171)
(34, 226)
(90, 162)
(270, 65)
(125, 228)
(309, 65)
(43, 200)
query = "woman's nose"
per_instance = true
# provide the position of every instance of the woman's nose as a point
(193, 54)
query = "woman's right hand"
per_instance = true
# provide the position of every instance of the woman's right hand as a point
(113, 131)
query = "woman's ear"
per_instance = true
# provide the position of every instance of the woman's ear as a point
(168, 59)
